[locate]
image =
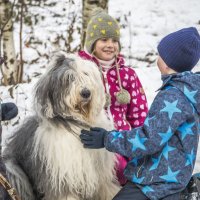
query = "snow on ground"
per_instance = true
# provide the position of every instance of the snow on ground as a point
(143, 23)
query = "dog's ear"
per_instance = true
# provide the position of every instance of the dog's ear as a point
(42, 99)
(60, 58)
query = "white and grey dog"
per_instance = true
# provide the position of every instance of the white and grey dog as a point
(45, 158)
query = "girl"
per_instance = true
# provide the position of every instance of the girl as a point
(126, 103)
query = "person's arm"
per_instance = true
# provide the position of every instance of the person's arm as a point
(8, 111)
(168, 111)
(137, 108)
(166, 114)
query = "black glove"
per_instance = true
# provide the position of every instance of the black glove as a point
(93, 139)
(1, 60)
(8, 111)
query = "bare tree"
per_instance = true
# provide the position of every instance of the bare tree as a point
(21, 65)
(9, 68)
(88, 7)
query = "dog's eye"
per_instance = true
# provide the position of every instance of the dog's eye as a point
(85, 73)
(72, 78)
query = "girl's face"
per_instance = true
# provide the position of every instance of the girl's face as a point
(106, 48)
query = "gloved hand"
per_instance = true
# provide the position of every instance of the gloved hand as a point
(93, 139)
(1, 60)
(8, 111)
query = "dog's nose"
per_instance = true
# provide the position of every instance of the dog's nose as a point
(85, 93)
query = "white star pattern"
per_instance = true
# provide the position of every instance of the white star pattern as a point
(143, 114)
(135, 109)
(132, 78)
(124, 83)
(126, 76)
(112, 79)
(134, 101)
(143, 97)
(133, 93)
(127, 69)
(136, 123)
(142, 106)
(133, 85)
(119, 123)
(112, 72)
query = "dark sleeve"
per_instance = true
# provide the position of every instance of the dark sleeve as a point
(8, 111)
(168, 111)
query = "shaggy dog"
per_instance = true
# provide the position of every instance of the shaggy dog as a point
(45, 158)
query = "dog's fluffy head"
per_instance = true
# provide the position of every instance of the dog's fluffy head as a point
(71, 87)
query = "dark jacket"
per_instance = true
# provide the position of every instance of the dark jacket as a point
(164, 149)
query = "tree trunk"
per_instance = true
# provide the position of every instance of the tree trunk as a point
(9, 68)
(88, 7)
(21, 65)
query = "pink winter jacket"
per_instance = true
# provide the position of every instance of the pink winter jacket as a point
(126, 116)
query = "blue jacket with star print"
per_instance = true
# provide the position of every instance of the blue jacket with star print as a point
(164, 149)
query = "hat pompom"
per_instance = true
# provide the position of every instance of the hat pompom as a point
(123, 97)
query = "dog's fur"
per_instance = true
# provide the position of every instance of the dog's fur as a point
(45, 158)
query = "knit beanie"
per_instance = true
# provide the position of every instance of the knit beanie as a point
(180, 50)
(100, 26)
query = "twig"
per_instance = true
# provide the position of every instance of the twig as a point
(20, 69)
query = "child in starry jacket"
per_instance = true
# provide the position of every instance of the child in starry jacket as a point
(164, 149)
(126, 104)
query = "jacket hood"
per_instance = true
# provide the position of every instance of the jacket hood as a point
(188, 83)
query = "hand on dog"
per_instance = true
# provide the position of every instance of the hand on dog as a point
(93, 139)
(8, 111)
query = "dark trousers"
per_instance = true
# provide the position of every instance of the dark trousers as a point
(131, 192)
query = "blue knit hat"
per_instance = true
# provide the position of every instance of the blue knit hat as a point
(180, 50)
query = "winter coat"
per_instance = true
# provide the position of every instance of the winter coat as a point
(125, 116)
(164, 149)
(129, 115)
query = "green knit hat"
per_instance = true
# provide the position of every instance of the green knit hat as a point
(100, 26)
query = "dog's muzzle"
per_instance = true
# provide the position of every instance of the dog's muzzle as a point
(85, 93)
